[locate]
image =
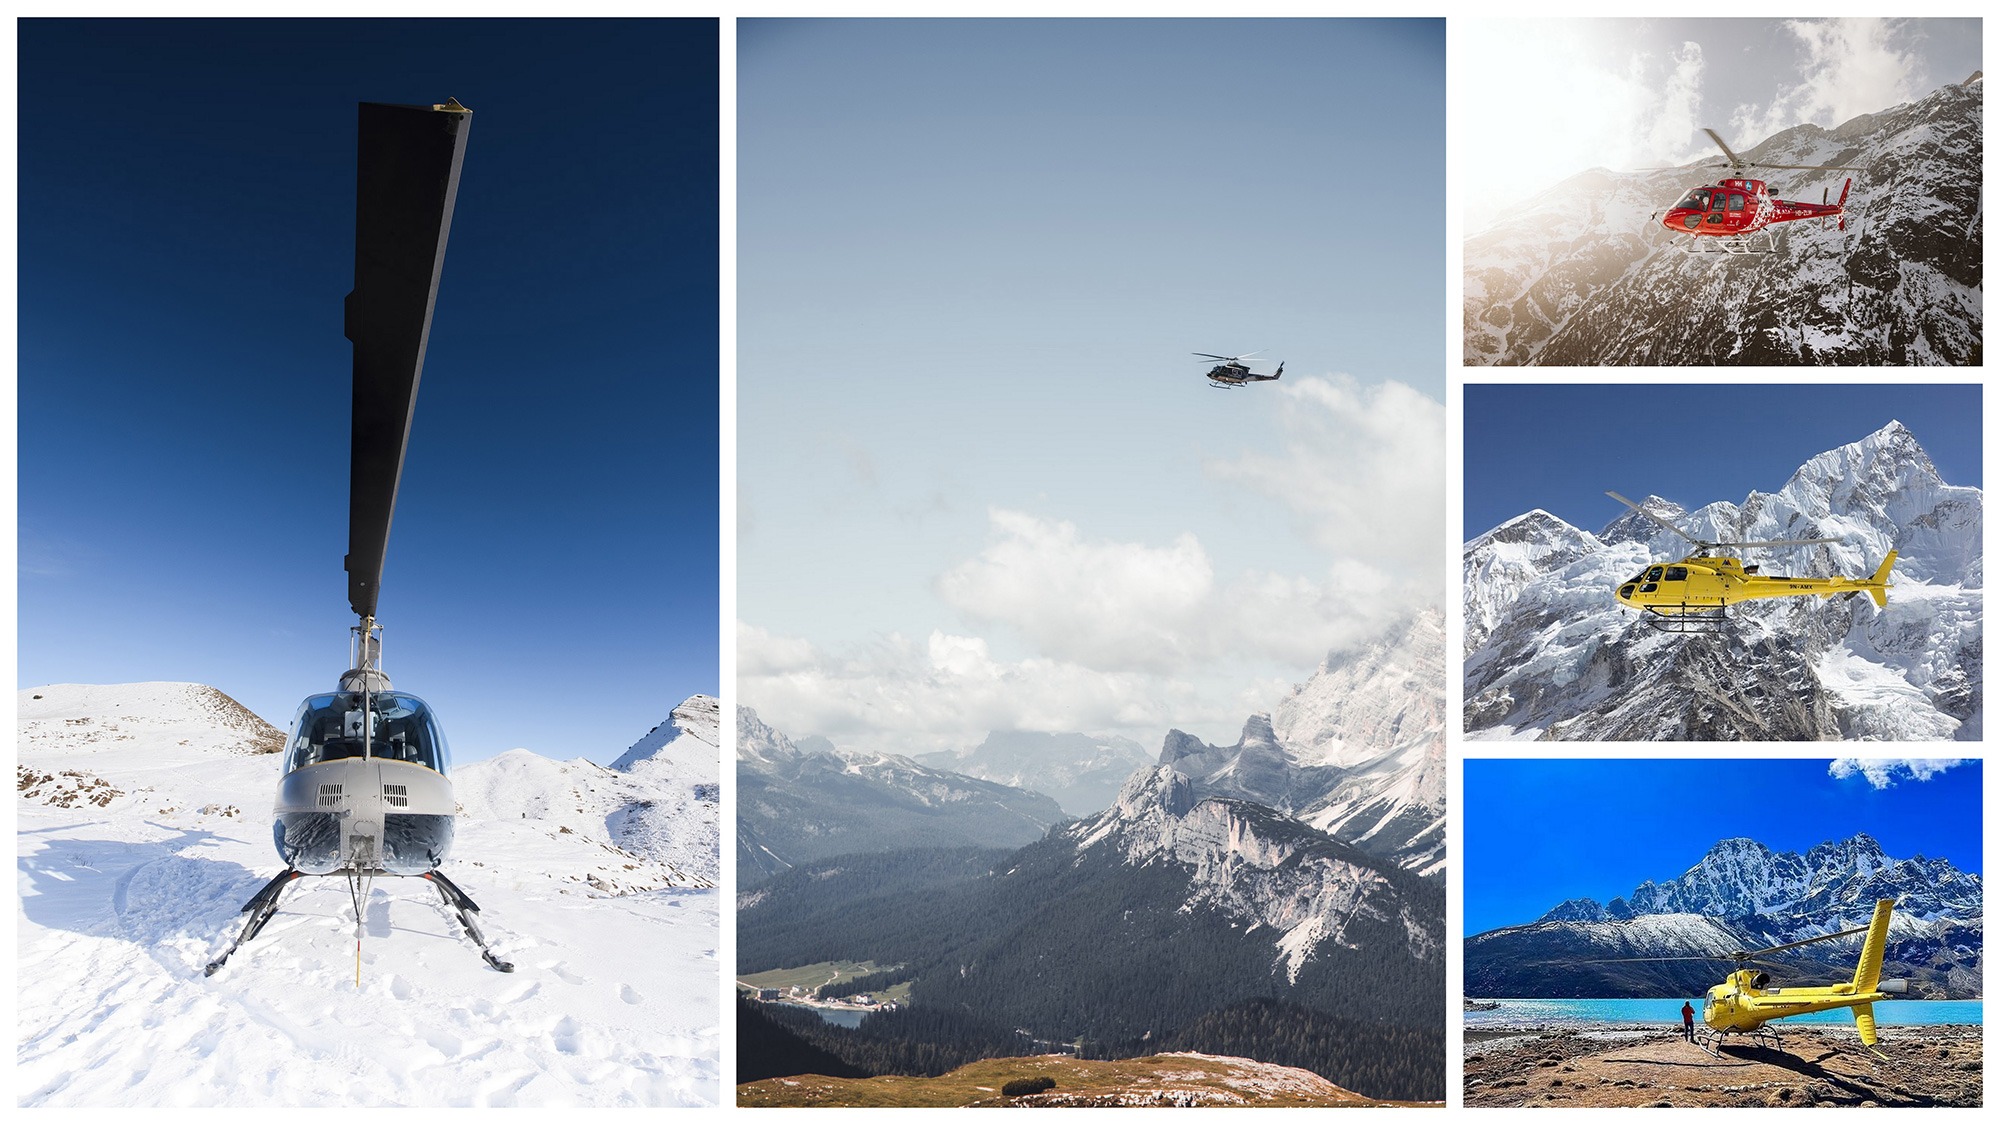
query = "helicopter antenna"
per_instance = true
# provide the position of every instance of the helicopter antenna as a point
(1706, 544)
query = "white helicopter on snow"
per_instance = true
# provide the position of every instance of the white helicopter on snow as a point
(366, 789)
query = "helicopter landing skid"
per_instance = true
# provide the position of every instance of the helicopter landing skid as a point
(264, 904)
(1735, 246)
(1686, 619)
(260, 908)
(462, 903)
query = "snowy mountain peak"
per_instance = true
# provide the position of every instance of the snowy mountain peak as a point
(1149, 793)
(89, 717)
(692, 729)
(758, 741)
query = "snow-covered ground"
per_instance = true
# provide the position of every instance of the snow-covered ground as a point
(144, 824)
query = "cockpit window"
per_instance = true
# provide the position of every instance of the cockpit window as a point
(1696, 200)
(1735, 201)
(1653, 575)
(1677, 574)
(397, 727)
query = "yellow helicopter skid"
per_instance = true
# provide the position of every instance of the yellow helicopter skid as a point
(1686, 618)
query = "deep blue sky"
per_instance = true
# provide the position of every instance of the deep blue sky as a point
(186, 239)
(1541, 831)
(1558, 447)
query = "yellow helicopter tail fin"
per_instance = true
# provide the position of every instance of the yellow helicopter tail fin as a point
(1878, 586)
(1864, 1022)
(1869, 972)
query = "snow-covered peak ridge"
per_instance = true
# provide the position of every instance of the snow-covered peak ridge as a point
(758, 741)
(1256, 865)
(1383, 703)
(91, 717)
(691, 734)
(1741, 877)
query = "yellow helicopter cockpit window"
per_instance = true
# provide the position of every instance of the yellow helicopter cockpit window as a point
(1676, 574)
(391, 726)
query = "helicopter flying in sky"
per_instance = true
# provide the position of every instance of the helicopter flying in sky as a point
(366, 788)
(1233, 372)
(1728, 216)
(1692, 595)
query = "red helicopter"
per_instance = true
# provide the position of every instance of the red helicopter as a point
(1726, 217)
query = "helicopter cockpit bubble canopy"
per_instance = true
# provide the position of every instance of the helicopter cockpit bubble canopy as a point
(1697, 200)
(398, 727)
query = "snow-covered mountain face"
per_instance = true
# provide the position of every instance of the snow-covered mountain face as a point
(1582, 275)
(677, 770)
(1261, 869)
(1743, 895)
(797, 804)
(145, 823)
(1549, 653)
(1357, 751)
(1083, 772)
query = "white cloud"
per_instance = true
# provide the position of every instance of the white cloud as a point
(1883, 773)
(1101, 603)
(1136, 637)
(1544, 99)
(1850, 67)
(1131, 607)
(901, 696)
(1362, 470)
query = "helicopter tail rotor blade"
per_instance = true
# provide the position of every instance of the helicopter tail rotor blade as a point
(409, 160)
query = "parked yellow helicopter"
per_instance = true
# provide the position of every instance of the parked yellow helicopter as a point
(1690, 596)
(1744, 1003)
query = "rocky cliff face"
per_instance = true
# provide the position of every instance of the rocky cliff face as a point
(1581, 275)
(1550, 654)
(1357, 751)
(1266, 871)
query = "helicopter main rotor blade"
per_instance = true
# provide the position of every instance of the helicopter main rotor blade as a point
(1734, 160)
(1775, 543)
(1806, 941)
(1656, 519)
(409, 161)
(1812, 167)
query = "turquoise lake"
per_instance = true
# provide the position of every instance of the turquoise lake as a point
(1667, 1013)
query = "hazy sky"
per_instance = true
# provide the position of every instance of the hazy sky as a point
(186, 241)
(982, 483)
(1637, 439)
(1540, 832)
(1544, 99)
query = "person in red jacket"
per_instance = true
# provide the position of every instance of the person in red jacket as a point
(1687, 1020)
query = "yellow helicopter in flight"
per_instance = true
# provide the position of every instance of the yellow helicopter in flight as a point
(1691, 595)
